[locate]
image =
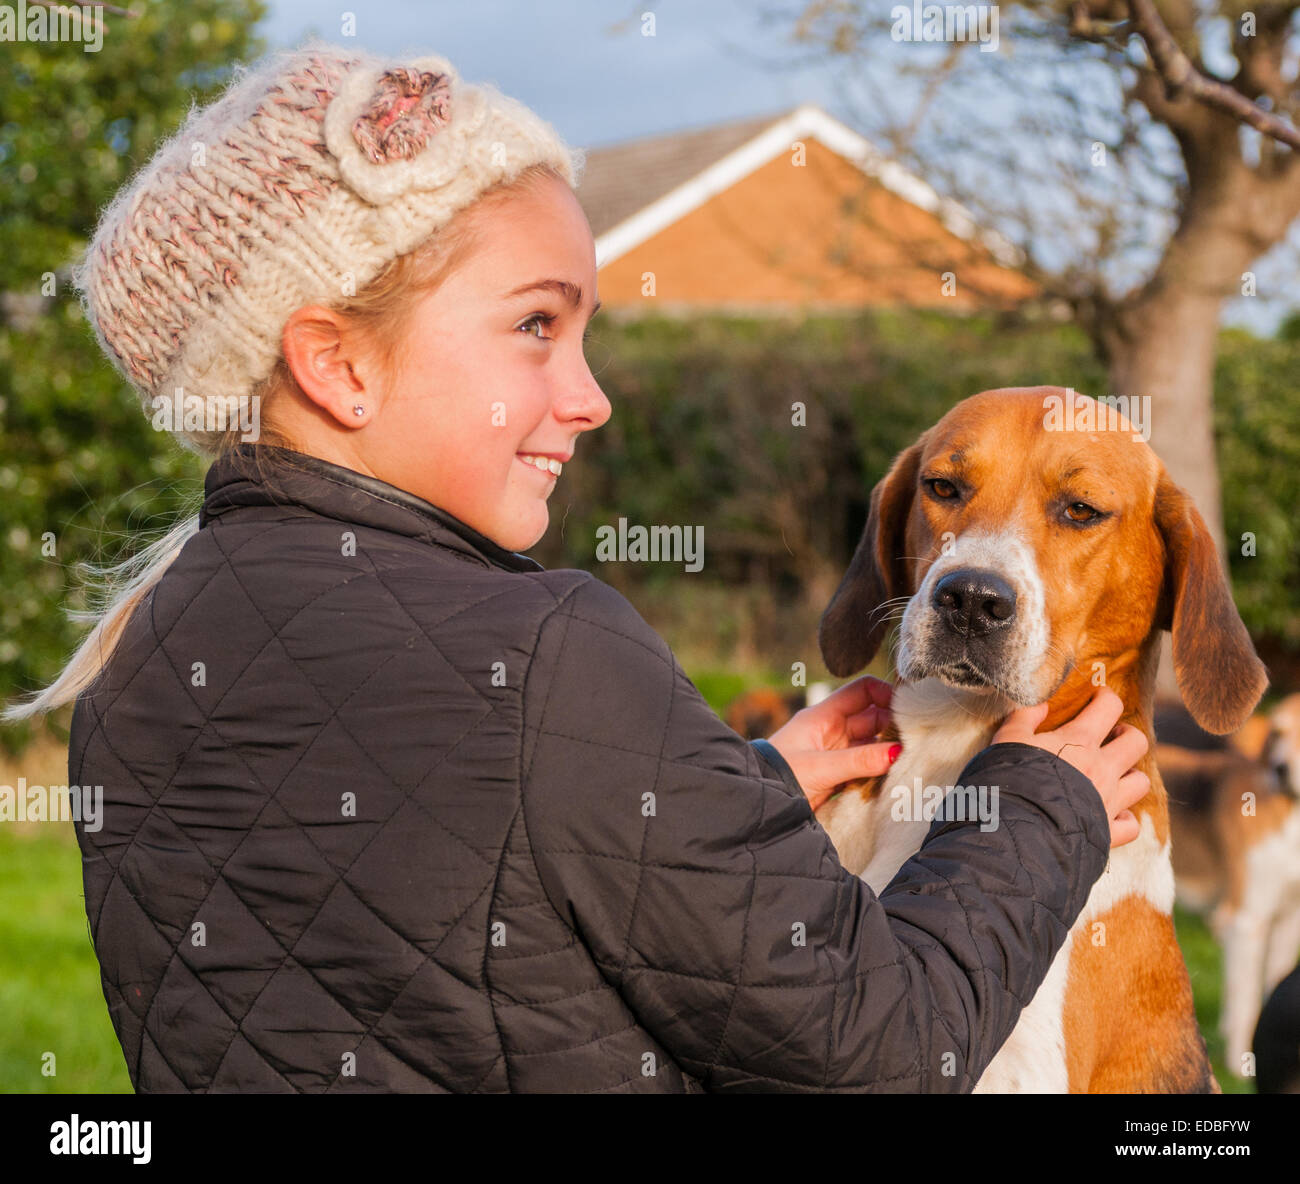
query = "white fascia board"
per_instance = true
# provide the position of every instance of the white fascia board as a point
(807, 120)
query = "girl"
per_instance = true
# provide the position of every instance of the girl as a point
(387, 805)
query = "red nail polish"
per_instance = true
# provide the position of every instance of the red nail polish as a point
(894, 750)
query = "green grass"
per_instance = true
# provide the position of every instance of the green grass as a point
(50, 993)
(719, 687)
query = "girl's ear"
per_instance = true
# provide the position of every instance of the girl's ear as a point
(854, 622)
(318, 349)
(1219, 675)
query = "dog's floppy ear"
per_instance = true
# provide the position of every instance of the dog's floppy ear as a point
(854, 622)
(1219, 675)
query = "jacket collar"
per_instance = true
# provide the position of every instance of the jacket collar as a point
(264, 475)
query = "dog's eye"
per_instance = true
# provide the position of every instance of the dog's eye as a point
(1081, 512)
(941, 488)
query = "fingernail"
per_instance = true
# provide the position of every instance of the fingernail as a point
(894, 750)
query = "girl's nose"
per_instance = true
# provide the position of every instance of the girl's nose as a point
(587, 402)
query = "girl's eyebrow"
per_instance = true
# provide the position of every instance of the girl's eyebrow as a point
(572, 292)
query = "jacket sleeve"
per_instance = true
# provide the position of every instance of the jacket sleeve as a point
(690, 864)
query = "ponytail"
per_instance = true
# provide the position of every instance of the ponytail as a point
(121, 588)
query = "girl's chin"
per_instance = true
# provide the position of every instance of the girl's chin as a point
(526, 529)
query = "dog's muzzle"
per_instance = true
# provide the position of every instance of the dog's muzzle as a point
(978, 619)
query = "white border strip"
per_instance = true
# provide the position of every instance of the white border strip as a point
(807, 120)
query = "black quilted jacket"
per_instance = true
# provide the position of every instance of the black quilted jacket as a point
(390, 808)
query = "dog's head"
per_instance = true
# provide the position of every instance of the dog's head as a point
(1032, 534)
(1281, 748)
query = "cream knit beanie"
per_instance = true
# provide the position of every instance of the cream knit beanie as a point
(309, 174)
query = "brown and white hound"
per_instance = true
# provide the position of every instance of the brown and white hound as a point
(1234, 814)
(1031, 562)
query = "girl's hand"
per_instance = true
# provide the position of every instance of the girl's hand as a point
(827, 745)
(1100, 747)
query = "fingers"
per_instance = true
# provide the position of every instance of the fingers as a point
(860, 708)
(1127, 747)
(1100, 747)
(1021, 723)
(877, 690)
(834, 767)
(868, 760)
(868, 723)
(1131, 789)
(860, 694)
(1124, 828)
(1096, 720)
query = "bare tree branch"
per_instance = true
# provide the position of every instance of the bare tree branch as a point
(1182, 77)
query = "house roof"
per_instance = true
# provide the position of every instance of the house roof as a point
(632, 190)
(623, 178)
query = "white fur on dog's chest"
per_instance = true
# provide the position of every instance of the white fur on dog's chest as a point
(940, 733)
(941, 730)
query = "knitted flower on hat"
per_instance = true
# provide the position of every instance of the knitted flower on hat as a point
(308, 175)
(404, 128)
(408, 106)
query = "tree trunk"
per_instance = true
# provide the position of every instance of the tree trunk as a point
(1162, 340)
(1167, 351)
(1170, 358)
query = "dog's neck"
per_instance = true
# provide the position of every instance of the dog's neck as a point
(924, 708)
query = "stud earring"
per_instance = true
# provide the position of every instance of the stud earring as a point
(358, 410)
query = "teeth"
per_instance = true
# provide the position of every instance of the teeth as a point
(546, 464)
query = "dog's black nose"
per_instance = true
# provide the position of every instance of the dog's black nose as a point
(974, 602)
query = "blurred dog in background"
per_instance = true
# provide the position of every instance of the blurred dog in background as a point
(1234, 811)
(757, 713)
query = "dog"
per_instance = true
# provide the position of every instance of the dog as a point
(757, 713)
(1033, 563)
(1235, 822)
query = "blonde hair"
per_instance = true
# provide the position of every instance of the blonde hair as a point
(382, 310)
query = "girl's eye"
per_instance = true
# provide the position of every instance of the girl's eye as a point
(548, 319)
(942, 489)
(1080, 512)
(539, 318)
(543, 318)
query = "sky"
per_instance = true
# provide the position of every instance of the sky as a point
(590, 69)
(585, 65)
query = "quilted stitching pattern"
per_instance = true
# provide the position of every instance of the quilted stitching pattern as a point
(689, 910)
(349, 858)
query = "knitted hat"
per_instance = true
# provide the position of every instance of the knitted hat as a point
(296, 187)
